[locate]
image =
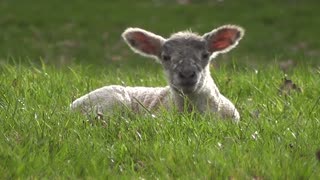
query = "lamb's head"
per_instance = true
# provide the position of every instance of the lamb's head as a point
(185, 56)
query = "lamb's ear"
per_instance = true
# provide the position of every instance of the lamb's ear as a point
(223, 39)
(143, 42)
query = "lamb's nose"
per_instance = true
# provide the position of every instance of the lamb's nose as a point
(187, 74)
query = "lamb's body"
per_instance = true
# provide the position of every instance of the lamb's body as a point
(137, 99)
(109, 98)
(185, 57)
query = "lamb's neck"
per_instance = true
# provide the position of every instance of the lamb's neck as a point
(208, 96)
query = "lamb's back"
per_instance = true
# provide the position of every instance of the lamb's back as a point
(108, 98)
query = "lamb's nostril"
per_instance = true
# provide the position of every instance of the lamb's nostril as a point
(181, 75)
(193, 74)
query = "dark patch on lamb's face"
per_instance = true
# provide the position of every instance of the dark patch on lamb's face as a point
(184, 60)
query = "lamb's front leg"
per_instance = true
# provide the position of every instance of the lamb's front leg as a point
(227, 109)
(103, 100)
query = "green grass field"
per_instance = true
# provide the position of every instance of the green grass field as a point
(54, 52)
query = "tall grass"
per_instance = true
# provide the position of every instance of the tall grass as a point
(277, 137)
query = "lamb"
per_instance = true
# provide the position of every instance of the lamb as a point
(185, 57)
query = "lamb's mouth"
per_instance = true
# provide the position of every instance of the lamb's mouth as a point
(185, 88)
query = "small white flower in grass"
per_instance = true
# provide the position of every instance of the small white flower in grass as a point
(256, 71)
(219, 145)
(153, 116)
(21, 101)
(120, 168)
(255, 135)
(112, 160)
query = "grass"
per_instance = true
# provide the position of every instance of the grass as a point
(90, 32)
(277, 137)
(48, 59)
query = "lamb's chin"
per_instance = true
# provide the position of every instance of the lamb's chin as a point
(184, 89)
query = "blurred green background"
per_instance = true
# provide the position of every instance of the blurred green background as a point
(64, 32)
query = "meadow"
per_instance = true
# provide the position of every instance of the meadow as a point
(52, 52)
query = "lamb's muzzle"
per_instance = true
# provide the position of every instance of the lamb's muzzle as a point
(185, 57)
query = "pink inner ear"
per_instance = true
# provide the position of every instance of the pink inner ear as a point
(144, 43)
(223, 39)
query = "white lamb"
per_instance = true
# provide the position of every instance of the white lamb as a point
(185, 57)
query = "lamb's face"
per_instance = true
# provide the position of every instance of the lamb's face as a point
(185, 57)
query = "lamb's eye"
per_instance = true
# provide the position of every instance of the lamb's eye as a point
(166, 57)
(205, 56)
